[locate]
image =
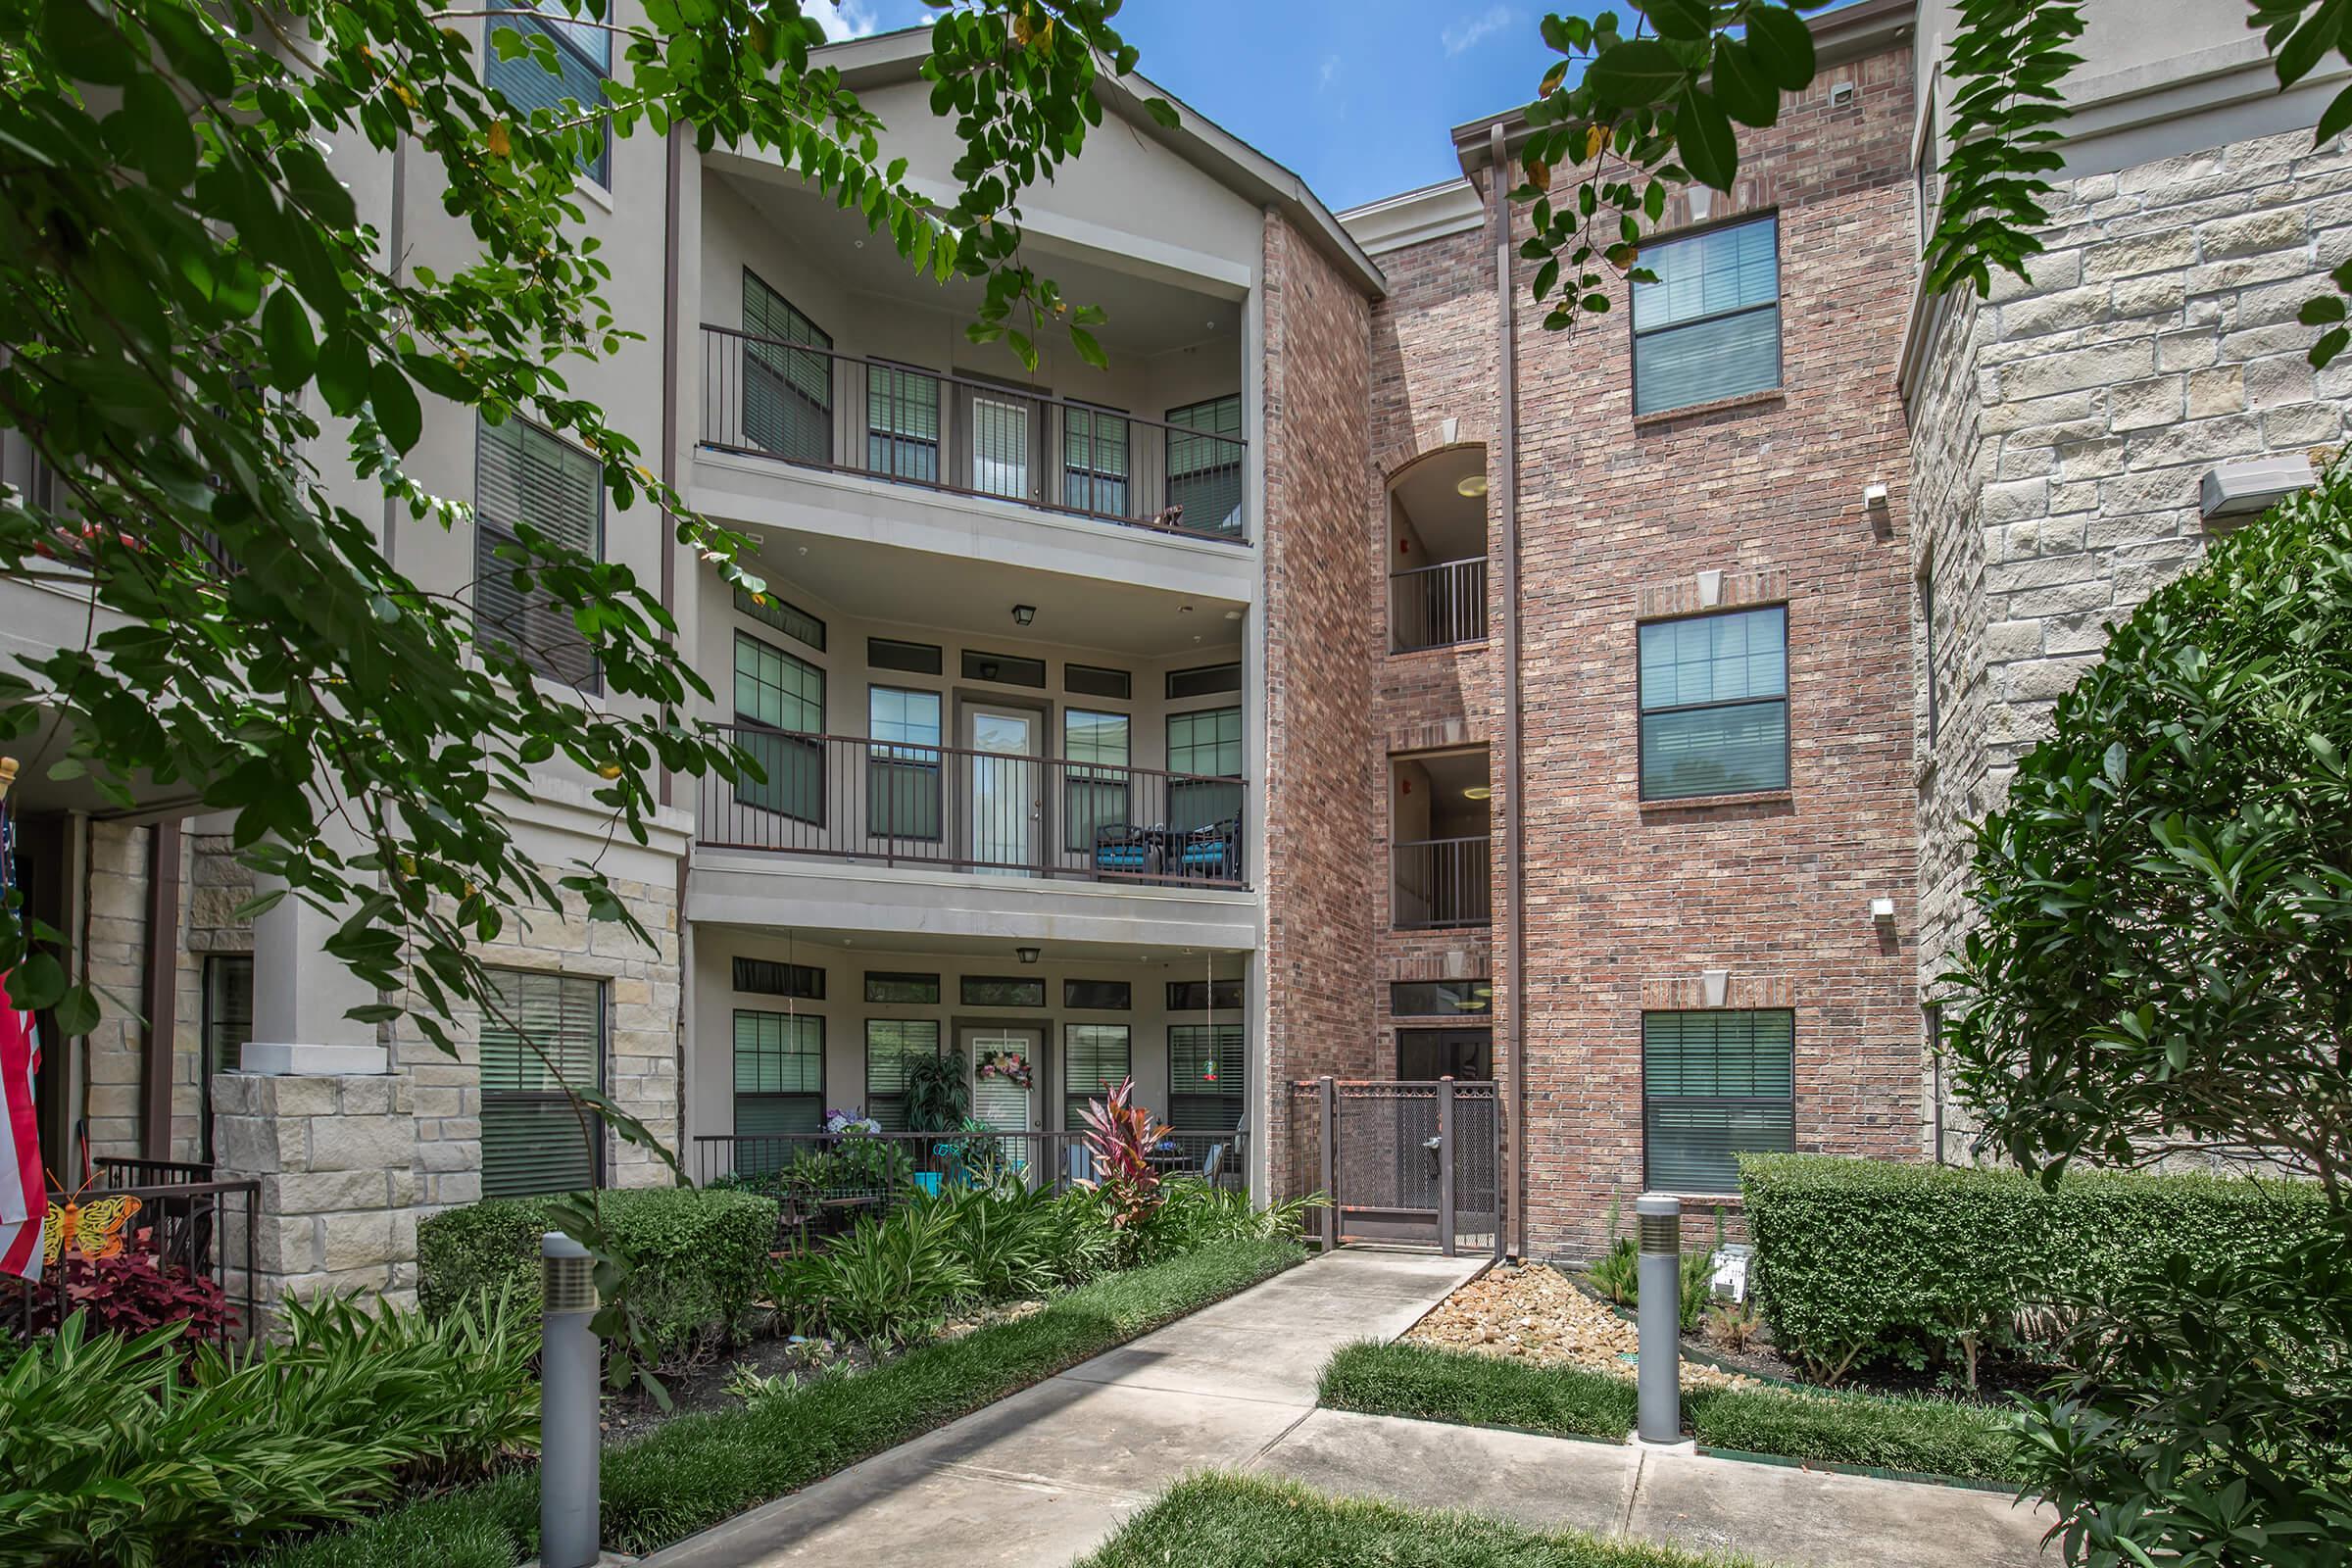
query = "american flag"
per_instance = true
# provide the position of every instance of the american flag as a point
(24, 1198)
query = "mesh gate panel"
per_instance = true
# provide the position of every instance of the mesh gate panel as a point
(1387, 1157)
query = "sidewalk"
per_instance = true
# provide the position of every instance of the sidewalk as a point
(1040, 1478)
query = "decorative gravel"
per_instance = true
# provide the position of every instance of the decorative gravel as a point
(1535, 1315)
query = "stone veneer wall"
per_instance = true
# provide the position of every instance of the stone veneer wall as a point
(1319, 886)
(213, 884)
(2060, 431)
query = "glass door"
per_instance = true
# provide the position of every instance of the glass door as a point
(1007, 802)
(1004, 1067)
(1001, 446)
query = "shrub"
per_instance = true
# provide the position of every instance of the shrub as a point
(1192, 1215)
(1120, 1136)
(1434, 1385)
(1858, 1261)
(698, 1257)
(887, 1282)
(132, 1294)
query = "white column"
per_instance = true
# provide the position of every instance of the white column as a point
(300, 995)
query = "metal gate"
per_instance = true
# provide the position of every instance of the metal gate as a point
(1411, 1163)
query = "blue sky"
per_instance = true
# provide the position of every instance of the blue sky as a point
(1356, 95)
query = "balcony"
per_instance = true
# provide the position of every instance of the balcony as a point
(1437, 607)
(1441, 857)
(890, 804)
(818, 408)
(1442, 883)
(1438, 551)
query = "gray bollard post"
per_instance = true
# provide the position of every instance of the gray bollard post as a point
(569, 1434)
(1659, 1364)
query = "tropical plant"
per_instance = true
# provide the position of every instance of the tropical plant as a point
(1002, 1237)
(1192, 1215)
(1120, 1138)
(888, 1282)
(1734, 1325)
(937, 1094)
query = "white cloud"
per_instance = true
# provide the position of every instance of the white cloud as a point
(1329, 74)
(856, 19)
(1469, 34)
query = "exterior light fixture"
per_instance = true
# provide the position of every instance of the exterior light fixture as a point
(1023, 614)
(1026, 954)
(1882, 912)
(1471, 485)
(1479, 792)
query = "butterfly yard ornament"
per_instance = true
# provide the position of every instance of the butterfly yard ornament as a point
(94, 1230)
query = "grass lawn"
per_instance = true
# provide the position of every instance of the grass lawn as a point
(1916, 1435)
(690, 1474)
(1228, 1521)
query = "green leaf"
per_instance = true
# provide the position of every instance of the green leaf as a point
(1088, 349)
(86, 43)
(291, 350)
(1636, 71)
(77, 1012)
(2320, 310)
(2323, 352)
(1164, 111)
(397, 413)
(343, 373)
(2335, 120)
(39, 981)
(1782, 47)
(164, 142)
(1740, 89)
(1679, 18)
(1702, 134)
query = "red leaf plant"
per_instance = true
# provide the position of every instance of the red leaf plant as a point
(132, 1292)
(1120, 1135)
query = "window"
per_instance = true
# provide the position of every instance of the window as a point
(581, 59)
(787, 393)
(1207, 745)
(1001, 990)
(1005, 670)
(1094, 461)
(1710, 326)
(789, 619)
(1098, 996)
(228, 1025)
(1715, 705)
(1205, 1077)
(914, 658)
(902, 422)
(1440, 998)
(779, 691)
(903, 989)
(1425, 1056)
(1095, 1060)
(1093, 680)
(1208, 680)
(1203, 996)
(1928, 174)
(889, 1043)
(525, 477)
(532, 1141)
(1204, 465)
(1714, 1086)
(780, 1081)
(903, 778)
(765, 978)
(1094, 785)
(1927, 619)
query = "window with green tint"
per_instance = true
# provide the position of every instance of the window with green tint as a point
(1098, 996)
(1096, 680)
(768, 977)
(1715, 1086)
(582, 58)
(903, 776)
(915, 659)
(1095, 787)
(779, 1082)
(1710, 326)
(1005, 670)
(1205, 1077)
(1001, 990)
(1095, 1058)
(902, 422)
(524, 476)
(1203, 996)
(1204, 465)
(1094, 461)
(780, 691)
(1206, 743)
(901, 988)
(1715, 704)
(1440, 998)
(787, 392)
(794, 622)
(889, 1044)
(544, 1032)
(1205, 680)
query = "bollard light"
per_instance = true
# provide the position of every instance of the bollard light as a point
(569, 1434)
(1658, 1364)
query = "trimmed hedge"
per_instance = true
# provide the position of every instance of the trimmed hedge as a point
(1480, 1391)
(1858, 1261)
(696, 1471)
(700, 1256)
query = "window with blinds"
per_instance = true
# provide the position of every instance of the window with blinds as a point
(779, 691)
(532, 1138)
(1095, 1058)
(1206, 744)
(1205, 1077)
(1094, 461)
(771, 977)
(1710, 326)
(1094, 785)
(904, 778)
(582, 58)
(1715, 1086)
(902, 422)
(779, 1078)
(1205, 464)
(1715, 704)
(889, 1044)
(787, 392)
(525, 477)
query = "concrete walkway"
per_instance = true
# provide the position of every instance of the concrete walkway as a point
(1040, 1478)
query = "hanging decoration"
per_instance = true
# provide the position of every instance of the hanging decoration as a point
(1011, 1065)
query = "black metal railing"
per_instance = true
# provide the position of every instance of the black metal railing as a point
(822, 408)
(1441, 882)
(849, 796)
(1436, 606)
(193, 1227)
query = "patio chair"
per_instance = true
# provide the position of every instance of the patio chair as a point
(1214, 1163)
(1123, 847)
(1212, 853)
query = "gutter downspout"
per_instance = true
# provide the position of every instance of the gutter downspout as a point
(666, 788)
(1506, 474)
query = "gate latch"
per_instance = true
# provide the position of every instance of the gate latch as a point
(1433, 1144)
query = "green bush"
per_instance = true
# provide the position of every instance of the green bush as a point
(698, 1257)
(141, 1452)
(887, 1282)
(1859, 1261)
(1480, 1391)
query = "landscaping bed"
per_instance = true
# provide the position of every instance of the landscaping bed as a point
(1535, 1315)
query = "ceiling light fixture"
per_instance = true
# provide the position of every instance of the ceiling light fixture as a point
(1471, 485)
(1479, 792)
(1023, 614)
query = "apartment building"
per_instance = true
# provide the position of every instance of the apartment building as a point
(1353, 679)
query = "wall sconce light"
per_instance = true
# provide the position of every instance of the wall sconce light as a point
(1882, 913)
(1026, 954)
(1023, 614)
(1874, 496)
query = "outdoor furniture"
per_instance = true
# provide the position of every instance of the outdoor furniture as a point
(1212, 853)
(1126, 848)
(1214, 1163)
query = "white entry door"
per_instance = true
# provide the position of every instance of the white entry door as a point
(1008, 798)
(1000, 1058)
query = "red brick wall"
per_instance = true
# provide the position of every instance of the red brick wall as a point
(1320, 753)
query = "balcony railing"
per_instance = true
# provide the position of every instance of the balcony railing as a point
(1435, 606)
(1441, 882)
(822, 408)
(853, 798)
